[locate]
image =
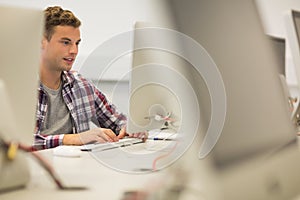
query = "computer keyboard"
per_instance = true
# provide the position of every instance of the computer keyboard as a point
(157, 134)
(111, 145)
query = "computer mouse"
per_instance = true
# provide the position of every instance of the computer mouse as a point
(67, 151)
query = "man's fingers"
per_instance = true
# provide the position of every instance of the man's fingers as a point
(122, 133)
(141, 135)
(101, 140)
(109, 135)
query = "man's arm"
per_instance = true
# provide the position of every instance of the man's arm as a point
(107, 115)
(94, 135)
(47, 141)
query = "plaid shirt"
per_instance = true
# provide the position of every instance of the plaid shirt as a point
(85, 103)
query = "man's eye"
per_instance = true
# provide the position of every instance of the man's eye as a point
(65, 42)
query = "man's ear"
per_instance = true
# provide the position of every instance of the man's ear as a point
(44, 42)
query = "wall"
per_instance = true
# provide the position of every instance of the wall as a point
(103, 19)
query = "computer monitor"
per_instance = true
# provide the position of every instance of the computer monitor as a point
(292, 27)
(20, 38)
(162, 99)
(256, 155)
(157, 81)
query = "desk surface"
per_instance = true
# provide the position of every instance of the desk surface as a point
(102, 182)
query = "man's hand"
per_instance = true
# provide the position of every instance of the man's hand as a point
(141, 135)
(122, 133)
(100, 135)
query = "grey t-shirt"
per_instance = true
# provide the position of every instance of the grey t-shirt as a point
(58, 119)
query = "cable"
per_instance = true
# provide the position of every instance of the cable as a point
(163, 156)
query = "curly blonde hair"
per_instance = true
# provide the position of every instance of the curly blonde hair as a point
(56, 16)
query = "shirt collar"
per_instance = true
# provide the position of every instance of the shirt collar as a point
(67, 78)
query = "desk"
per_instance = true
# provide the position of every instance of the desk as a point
(102, 182)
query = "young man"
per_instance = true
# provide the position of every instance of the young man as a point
(67, 102)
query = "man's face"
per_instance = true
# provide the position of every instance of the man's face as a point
(60, 52)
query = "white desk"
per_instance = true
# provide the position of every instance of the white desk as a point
(102, 182)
